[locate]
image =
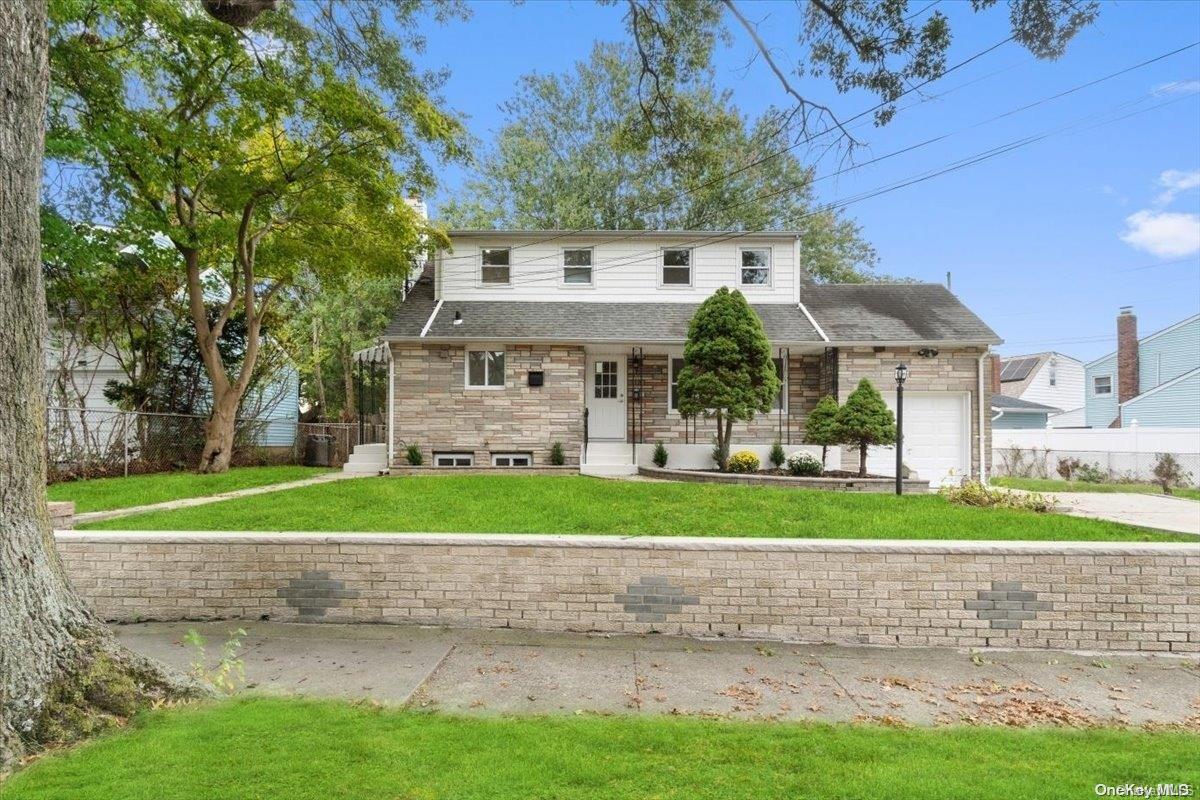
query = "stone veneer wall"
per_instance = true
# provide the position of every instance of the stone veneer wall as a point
(1081, 596)
(803, 388)
(952, 370)
(436, 410)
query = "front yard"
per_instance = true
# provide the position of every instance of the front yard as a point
(104, 494)
(1050, 486)
(304, 749)
(579, 505)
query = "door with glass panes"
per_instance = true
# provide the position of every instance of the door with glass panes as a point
(606, 397)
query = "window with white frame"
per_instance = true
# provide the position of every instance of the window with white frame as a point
(1102, 384)
(1053, 375)
(577, 266)
(454, 459)
(495, 265)
(756, 266)
(512, 459)
(676, 267)
(485, 369)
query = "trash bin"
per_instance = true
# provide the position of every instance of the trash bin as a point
(318, 448)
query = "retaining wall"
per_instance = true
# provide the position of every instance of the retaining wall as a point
(1078, 596)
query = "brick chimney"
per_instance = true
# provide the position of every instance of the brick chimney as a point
(1127, 355)
(995, 379)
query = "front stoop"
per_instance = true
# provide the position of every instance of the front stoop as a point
(608, 458)
(367, 459)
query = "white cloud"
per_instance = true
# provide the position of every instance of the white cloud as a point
(1164, 233)
(1178, 87)
(1175, 181)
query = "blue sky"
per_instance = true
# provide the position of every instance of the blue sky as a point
(1045, 242)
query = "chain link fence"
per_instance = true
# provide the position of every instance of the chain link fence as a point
(1106, 465)
(92, 443)
(345, 436)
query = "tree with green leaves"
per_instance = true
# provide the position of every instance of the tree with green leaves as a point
(864, 420)
(258, 152)
(727, 368)
(577, 151)
(821, 426)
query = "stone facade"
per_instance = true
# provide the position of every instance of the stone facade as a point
(1074, 596)
(951, 370)
(435, 410)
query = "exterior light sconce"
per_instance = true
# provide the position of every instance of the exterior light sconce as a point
(927, 352)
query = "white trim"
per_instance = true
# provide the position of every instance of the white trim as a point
(432, 316)
(812, 321)
(562, 275)
(691, 268)
(1161, 386)
(770, 268)
(797, 271)
(391, 420)
(1154, 335)
(983, 454)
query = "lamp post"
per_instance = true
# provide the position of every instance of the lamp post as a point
(901, 376)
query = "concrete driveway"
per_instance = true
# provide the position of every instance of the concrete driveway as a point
(1145, 510)
(507, 671)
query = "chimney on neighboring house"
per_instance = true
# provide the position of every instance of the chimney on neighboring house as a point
(995, 380)
(1127, 355)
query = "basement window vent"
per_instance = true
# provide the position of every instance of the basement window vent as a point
(512, 459)
(454, 459)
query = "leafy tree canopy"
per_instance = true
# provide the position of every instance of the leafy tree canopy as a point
(579, 151)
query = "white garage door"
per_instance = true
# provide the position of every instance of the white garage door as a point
(937, 444)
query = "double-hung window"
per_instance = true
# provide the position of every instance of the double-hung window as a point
(755, 267)
(495, 266)
(485, 369)
(1102, 384)
(676, 267)
(577, 266)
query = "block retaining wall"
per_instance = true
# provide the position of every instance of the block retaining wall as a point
(1075, 596)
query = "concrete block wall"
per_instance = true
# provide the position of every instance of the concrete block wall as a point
(1076, 596)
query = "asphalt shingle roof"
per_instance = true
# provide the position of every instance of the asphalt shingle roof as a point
(846, 313)
(1017, 404)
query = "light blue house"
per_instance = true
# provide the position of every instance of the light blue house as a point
(1014, 413)
(1153, 381)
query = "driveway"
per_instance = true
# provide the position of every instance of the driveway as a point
(1145, 510)
(506, 671)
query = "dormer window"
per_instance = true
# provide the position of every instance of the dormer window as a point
(676, 267)
(495, 266)
(756, 267)
(577, 266)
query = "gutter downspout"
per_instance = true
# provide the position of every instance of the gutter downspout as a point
(391, 420)
(983, 474)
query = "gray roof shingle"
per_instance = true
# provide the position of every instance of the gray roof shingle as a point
(1003, 401)
(847, 313)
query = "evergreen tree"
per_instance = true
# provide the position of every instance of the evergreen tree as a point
(865, 420)
(821, 427)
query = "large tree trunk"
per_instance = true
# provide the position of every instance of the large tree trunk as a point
(219, 432)
(62, 673)
(862, 460)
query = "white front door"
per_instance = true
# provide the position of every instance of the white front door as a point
(606, 397)
(937, 443)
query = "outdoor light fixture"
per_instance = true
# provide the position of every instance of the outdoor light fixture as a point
(928, 352)
(458, 318)
(901, 377)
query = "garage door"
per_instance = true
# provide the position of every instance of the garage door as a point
(937, 443)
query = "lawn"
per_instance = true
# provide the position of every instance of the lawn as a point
(580, 505)
(299, 749)
(103, 494)
(1050, 485)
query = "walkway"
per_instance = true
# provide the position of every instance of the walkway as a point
(509, 671)
(115, 513)
(1144, 510)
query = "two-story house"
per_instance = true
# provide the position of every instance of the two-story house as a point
(511, 341)
(1047, 386)
(1152, 381)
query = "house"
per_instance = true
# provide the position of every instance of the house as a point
(1151, 381)
(1011, 413)
(514, 340)
(1046, 379)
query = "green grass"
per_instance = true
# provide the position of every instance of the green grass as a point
(1051, 485)
(103, 494)
(301, 749)
(579, 505)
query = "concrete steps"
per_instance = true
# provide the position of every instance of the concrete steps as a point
(608, 458)
(367, 459)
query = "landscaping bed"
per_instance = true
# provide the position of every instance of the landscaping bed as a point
(831, 480)
(303, 749)
(580, 505)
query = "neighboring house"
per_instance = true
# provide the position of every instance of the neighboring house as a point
(1009, 413)
(1152, 381)
(1050, 379)
(515, 340)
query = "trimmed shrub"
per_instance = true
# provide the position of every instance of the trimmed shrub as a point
(777, 455)
(412, 454)
(660, 455)
(557, 456)
(805, 466)
(743, 461)
(865, 420)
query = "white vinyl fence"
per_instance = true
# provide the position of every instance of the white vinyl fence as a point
(1120, 453)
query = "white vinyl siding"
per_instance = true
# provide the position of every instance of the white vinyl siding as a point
(623, 270)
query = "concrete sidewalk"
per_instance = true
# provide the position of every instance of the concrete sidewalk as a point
(509, 671)
(1157, 511)
(187, 502)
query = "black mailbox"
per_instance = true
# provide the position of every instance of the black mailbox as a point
(537, 378)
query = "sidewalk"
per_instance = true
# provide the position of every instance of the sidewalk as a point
(168, 505)
(1157, 511)
(521, 672)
